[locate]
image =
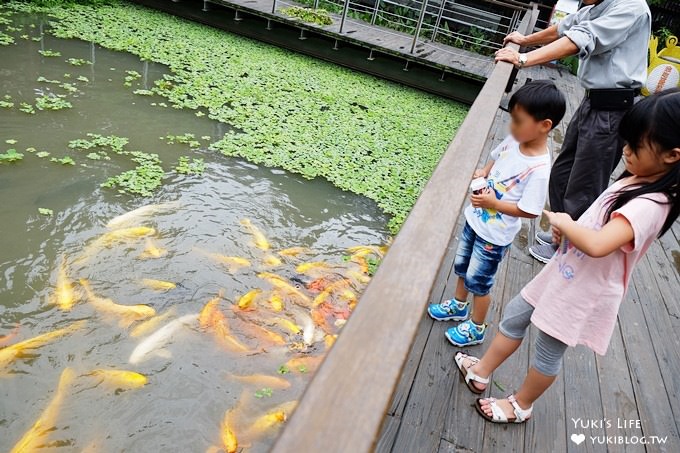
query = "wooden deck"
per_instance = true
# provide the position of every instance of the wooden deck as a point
(379, 39)
(638, 379)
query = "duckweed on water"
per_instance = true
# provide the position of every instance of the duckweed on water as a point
(11, 155)
(361, 133)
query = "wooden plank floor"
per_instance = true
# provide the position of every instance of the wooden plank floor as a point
(638, 379)
(378, 38)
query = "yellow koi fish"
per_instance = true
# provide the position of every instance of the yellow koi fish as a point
(262, 380)
(64, 296)
(270, 420)
(295, 251)
(144, 327)
(271, 260)
(276, 301)
(126, 233)
(305, 364)
(208, 315)
(120, 378)
(9, 353)
(358, 276)
(306, 267)
(363, 250)
(263, 334)
(283, 285)
(330, 289)
(233, 263)
(127, 313)
(229, 441)
(248, 298)
(329, 340)
(288, 325)
(259, 238)
(158, 285)
(152, 250)
(34, 437)
(142, 212)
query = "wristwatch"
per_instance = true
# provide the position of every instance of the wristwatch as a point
(522, 60)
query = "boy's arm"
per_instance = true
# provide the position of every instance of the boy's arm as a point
(595, 243)
(488, 200)
(484, 171)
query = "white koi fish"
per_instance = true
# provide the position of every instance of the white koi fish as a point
(154, 343)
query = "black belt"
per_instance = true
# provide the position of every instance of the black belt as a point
(613, 98)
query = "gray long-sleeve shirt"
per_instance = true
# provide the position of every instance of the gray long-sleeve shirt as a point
(613, 38)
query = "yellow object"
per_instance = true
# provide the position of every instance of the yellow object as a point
(9, 353)
(120, 378)
(248, 298)
(147, 326)
(271, 260)
(64, 296)
(127, 313)
(152, 250)
(259, 238)
(158, 285)
(276, 301)
(283, 285)
(294, 251)
(234, 263)
(262, 380)
(664, 66)
(45, 423)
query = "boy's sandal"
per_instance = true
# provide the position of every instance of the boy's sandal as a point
(468, 375)
(497, 414)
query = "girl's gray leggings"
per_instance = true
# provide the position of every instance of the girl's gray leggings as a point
(549, 351)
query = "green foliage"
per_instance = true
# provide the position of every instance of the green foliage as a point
(112, 142)
(64, 160)
(6, 104)
(571, 62)
(45, 211)
(49, 53)
(309, 15)
(190, 167)
(42, 154)
(78, 61)
(52, 102)
(283, 369)
(27, 108)
(363, 134)
(143, 179)
(11, 155)
(264, 392)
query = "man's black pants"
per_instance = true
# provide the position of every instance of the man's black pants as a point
(590, 152)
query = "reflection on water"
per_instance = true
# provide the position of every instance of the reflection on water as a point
(194, 368)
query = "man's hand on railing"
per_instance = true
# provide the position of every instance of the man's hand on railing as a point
(516, 37)
(509, 55)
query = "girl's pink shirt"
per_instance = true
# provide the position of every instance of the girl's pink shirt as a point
(576, 297)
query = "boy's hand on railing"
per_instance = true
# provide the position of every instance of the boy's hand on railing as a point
(480, 173)
(516, 37)
(486, 199)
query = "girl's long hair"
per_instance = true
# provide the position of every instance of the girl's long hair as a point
(654, 121)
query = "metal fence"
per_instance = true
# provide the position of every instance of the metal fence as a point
(479, 28)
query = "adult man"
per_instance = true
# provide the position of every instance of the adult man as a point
(611, 38)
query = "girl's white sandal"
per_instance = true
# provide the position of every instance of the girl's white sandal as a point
(497, 414)
(467, 374)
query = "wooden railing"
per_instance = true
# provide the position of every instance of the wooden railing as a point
(344, 405)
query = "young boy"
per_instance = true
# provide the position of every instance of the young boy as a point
(517, 183)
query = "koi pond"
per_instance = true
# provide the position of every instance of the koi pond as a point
(174, 266)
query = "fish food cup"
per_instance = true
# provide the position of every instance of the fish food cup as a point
(477, 185)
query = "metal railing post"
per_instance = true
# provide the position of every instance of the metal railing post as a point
(316, 4)
(273, 6)
(419, 25)
(344, 14)
(374, 16)
(439, 19)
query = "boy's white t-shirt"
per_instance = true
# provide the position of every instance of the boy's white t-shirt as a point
(515, 178)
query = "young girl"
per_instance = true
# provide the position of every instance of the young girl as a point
(576, 297)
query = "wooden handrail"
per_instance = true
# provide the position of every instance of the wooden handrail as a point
(344, 405)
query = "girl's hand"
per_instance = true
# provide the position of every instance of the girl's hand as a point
(556, 235)
(487, 199)
(557, 219)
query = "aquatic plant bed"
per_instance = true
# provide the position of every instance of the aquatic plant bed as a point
(363, 134)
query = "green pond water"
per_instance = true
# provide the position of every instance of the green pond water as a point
(189, 385)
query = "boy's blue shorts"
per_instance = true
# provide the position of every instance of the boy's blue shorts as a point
(477, 261)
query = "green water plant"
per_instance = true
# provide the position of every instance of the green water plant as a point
(363, 134)
(52, 102)
(317, 16)
(77, 61)
(49, 53)
(11, 155)
(143, 179)
(27, 108)
(6, 104)
(66, 160)
(186, 166)
(45, 212)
